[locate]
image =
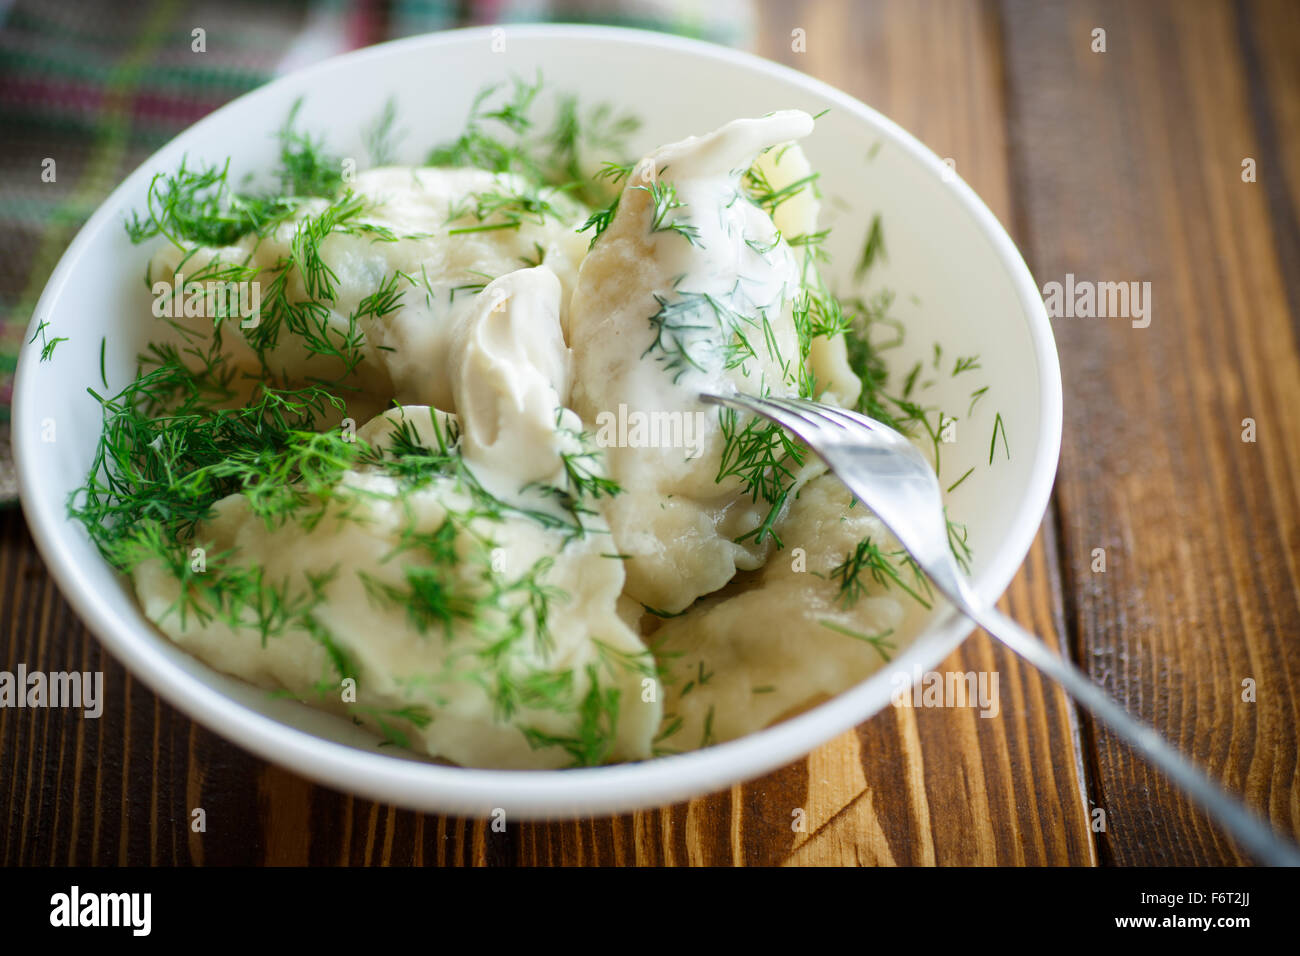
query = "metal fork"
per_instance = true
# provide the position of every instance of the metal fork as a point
(887, 474)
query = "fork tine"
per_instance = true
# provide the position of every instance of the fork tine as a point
(789, 408)
(806, 411)
(841, 416)
(814, 413)
(792, 419)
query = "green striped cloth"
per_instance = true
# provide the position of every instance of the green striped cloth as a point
(96, 86)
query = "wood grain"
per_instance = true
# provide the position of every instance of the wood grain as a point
(1130, 166)
(1115, 166)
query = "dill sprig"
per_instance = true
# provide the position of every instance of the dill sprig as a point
(593, 741)
(958, 543)
(614, 172)
(306, 169)
(867, 560)
(769, 198)
(156, 477)
(765, 457)
(405, 456)
(693, 323)
(510, 208)
(171, 468)
(999, 428)
(584, 479)
(498, 137)
(478, 147)
(197, 204)
(310, 320)
(761, 454)
(600, 220)
(873, 248)
(883, 646)
(381, 137)
(663, 200)
(48, 345)
(572, 136)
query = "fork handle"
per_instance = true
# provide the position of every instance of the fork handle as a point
(1251, 832)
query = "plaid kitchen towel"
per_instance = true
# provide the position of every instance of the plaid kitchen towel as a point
(90, 88)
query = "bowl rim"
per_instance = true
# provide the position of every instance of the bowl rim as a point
(535, 794)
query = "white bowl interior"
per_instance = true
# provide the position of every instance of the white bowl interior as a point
(959, 279)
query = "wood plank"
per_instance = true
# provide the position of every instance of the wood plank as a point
(1130, 165)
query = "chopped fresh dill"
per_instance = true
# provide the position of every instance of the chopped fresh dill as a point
(762, 248)
(600, 220)
(614, 172)
(480, 147)
(866, 358)
(381, 138)
(873, 248)
(765, 457)
(47, 345)
(197, 204)
(958, 543)
(687, 332)
(910, 383)
(878, 641)
(706, 737)
(593, 740)
(999, 428)
(884, 569)
(769, 198)
(573, 137)
(672, 724)
(664, 614)
(497, 136)
(510, 208)
(394, 736)
(534, 263)
(961, 479)
(584, 478)
(663, 200)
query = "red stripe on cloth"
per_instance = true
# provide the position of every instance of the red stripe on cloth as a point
(485, 11)
(365, 25)
(33, 92)
(158, 107)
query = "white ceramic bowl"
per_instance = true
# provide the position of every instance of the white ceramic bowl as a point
(960, 281)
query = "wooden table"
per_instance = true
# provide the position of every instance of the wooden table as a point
(1114, 166)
